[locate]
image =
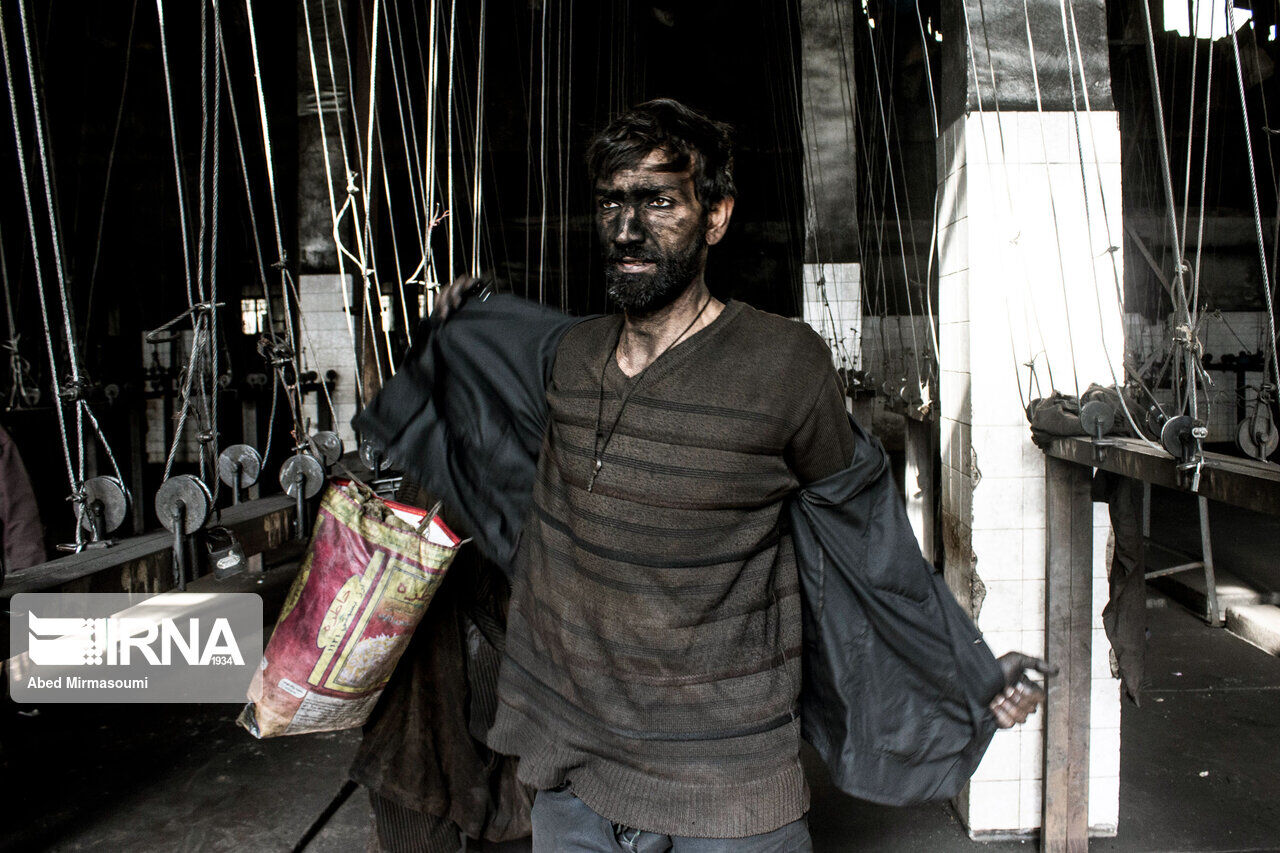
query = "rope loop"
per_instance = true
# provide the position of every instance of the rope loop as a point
(1184, 336)
(74, 390)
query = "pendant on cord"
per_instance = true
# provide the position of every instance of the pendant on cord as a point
(594, 471)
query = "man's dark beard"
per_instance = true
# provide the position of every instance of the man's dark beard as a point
(644, 293)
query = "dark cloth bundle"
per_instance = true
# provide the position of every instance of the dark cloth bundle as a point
(1059, 414)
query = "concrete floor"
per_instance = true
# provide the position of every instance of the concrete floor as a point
(1199, 772)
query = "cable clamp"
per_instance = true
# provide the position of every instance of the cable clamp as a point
(72, 391)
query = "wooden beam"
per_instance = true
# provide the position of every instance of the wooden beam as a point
(1240, 482)
(145, 563)
(1068, 643)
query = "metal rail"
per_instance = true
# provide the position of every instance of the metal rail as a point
(145, 563)
(1240, 482)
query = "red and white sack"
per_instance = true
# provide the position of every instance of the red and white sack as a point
(369, 573)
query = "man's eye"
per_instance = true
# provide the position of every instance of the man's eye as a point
(661, 202)
(608, 205)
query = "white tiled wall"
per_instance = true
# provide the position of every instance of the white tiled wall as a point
(326, 345)
(1025, 275)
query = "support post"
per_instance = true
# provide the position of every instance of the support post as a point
(249, 430)
(1212, 613)
(919, 482)
(1068, 641)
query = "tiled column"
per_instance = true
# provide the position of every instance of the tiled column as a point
(326, 345)
(1025, 275)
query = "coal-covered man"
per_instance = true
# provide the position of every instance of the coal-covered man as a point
(653, 653)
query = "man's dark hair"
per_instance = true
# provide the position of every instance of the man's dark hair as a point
(691, 138)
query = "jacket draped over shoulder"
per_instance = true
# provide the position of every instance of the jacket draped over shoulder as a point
(896, 676)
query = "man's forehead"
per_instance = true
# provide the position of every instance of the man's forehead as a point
(655, 170)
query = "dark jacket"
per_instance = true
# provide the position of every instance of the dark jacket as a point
(21, 534)
(897, 678)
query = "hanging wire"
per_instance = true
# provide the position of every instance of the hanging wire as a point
(328, 172)
(1016, 240)
(111, 159)
(476, 198)
(20, 394)
(1253, 191)
(364, 264)
(1102, 196)
(72, 478)
(177, 159)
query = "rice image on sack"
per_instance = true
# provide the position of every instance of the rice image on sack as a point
(369, 573)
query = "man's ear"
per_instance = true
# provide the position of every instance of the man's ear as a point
(718, 220)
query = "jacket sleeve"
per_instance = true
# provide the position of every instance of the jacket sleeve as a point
(22, 535)
(466, 413)
(896, 676)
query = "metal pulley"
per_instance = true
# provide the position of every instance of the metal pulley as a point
(102, 508)
(301, 477)
(183, 506)
(1178, 435)
(1257, 434)
(239, 467)
(328, 446)
(1097, 418)
(1182, 436)
(1258, 437)
(1155, 420)
(372, 457)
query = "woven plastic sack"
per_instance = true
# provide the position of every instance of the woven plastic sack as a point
(369, 573)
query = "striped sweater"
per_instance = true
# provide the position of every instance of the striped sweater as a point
(653, 647)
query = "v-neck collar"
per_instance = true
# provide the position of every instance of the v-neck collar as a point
(615, 378)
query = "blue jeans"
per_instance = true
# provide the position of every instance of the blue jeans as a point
(562, 823)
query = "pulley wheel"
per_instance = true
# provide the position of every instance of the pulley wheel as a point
(1176, 436)
(193, 494)
(114, 498)
(328, 445)
(249, 461)
(1097, 418)
(372, 456)
(308, 468)
(1155, 420)
(1259, 439)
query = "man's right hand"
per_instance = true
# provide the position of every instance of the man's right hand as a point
(1021, 696)
(451, 297)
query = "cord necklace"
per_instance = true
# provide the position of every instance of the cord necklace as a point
(602, 439)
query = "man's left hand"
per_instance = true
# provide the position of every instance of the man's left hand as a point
(1021, 696)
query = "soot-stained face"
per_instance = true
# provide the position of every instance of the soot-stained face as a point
(653, 231)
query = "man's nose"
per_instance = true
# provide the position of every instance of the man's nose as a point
(629, 228)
